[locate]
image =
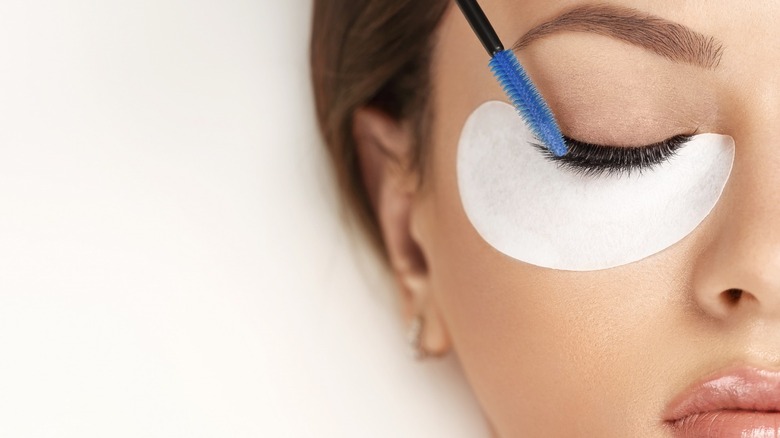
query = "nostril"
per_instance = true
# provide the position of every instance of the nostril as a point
(732, 296)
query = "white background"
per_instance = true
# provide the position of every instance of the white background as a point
(171, 260)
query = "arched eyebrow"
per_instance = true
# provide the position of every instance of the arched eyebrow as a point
(671, 40)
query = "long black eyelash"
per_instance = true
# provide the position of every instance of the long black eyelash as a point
(595, 160)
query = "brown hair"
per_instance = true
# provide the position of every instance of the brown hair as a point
(371, 53)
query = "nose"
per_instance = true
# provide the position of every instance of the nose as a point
(739, 270)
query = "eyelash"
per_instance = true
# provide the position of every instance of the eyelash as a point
(590, 159)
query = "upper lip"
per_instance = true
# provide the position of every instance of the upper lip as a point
(737, 388)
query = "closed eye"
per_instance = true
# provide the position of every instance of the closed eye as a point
(596, 160)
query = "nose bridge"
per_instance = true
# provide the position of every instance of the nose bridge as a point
(741, 266)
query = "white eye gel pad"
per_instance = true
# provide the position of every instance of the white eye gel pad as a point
(531, 209)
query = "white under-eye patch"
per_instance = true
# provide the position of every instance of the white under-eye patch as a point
(531, 209)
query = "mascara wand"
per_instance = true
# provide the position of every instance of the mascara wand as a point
(515, 81)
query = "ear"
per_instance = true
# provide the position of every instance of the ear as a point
(385, 148)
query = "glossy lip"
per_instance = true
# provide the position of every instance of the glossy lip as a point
(744, 388)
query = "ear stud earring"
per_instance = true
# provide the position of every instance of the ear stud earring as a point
(414, 337)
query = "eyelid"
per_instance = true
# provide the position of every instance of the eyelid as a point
(592, 159)
(672, 139)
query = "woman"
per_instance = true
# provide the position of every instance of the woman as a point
(674, 334)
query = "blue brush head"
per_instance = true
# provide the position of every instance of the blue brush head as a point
(529, 103)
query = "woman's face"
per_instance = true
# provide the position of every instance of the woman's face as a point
(554, 353)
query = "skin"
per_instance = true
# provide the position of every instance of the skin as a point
(595, 354)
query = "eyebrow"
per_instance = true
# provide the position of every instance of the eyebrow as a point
(671, 40)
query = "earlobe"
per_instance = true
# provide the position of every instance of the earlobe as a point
(384, 148)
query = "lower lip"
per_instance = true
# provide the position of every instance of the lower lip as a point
(729, 423)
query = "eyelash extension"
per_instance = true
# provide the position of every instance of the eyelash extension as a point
(590, 159)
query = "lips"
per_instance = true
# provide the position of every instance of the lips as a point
(738, 402)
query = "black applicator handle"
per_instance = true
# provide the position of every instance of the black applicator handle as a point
(482, 27)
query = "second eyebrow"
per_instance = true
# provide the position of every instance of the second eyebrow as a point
(668, 39)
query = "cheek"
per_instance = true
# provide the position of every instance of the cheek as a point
(527, 208)
(535, 343)
(552, 353)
